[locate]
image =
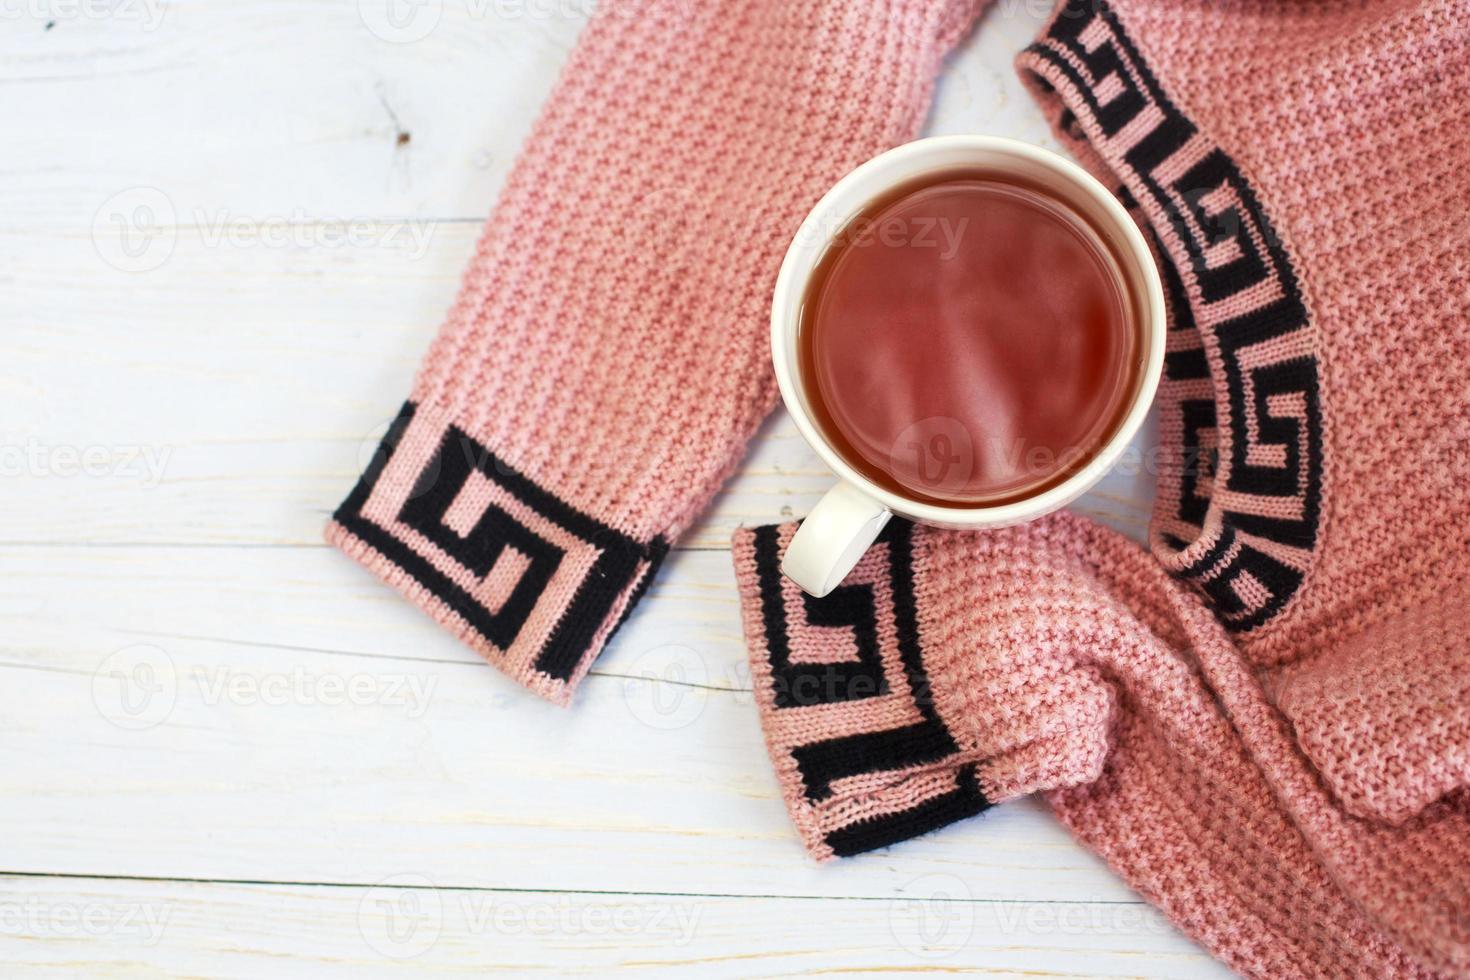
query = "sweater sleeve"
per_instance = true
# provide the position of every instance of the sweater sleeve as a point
(606, 360)
(1262, 726)
(955, 671)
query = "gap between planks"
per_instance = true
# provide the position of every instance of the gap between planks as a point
(492, 889)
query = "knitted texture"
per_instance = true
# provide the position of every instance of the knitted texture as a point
(1264, 725)
(953, 671)
(606, 359)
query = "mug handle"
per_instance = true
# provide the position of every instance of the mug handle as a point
(832, 539)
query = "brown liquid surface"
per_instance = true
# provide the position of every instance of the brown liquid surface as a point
(968, 341)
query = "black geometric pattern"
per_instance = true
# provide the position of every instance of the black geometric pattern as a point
(1216, 229)
(849, 607)
(484, 544)
(495, 531)
(798, 686)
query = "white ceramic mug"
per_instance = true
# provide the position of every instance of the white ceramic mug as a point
(852, 514)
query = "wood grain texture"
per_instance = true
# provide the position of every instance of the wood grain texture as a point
(408, 924)
(269, 704)
(227, 234)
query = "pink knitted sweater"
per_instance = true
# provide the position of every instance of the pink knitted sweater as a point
(1263, 723)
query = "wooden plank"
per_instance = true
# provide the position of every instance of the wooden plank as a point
(192, 97)
(930, 925)
(289, 719)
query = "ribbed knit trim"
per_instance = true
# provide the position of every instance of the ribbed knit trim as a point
(863, 756)
(1241, 477)
(535, 586)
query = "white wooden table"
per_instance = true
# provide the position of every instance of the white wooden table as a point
(229, 231)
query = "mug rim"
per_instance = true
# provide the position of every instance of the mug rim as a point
(840, 202)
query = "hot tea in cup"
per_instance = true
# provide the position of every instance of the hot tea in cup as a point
(969, 339)
(968, 330)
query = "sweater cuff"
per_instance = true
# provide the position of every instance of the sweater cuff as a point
(534, 585)
(863, 753)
